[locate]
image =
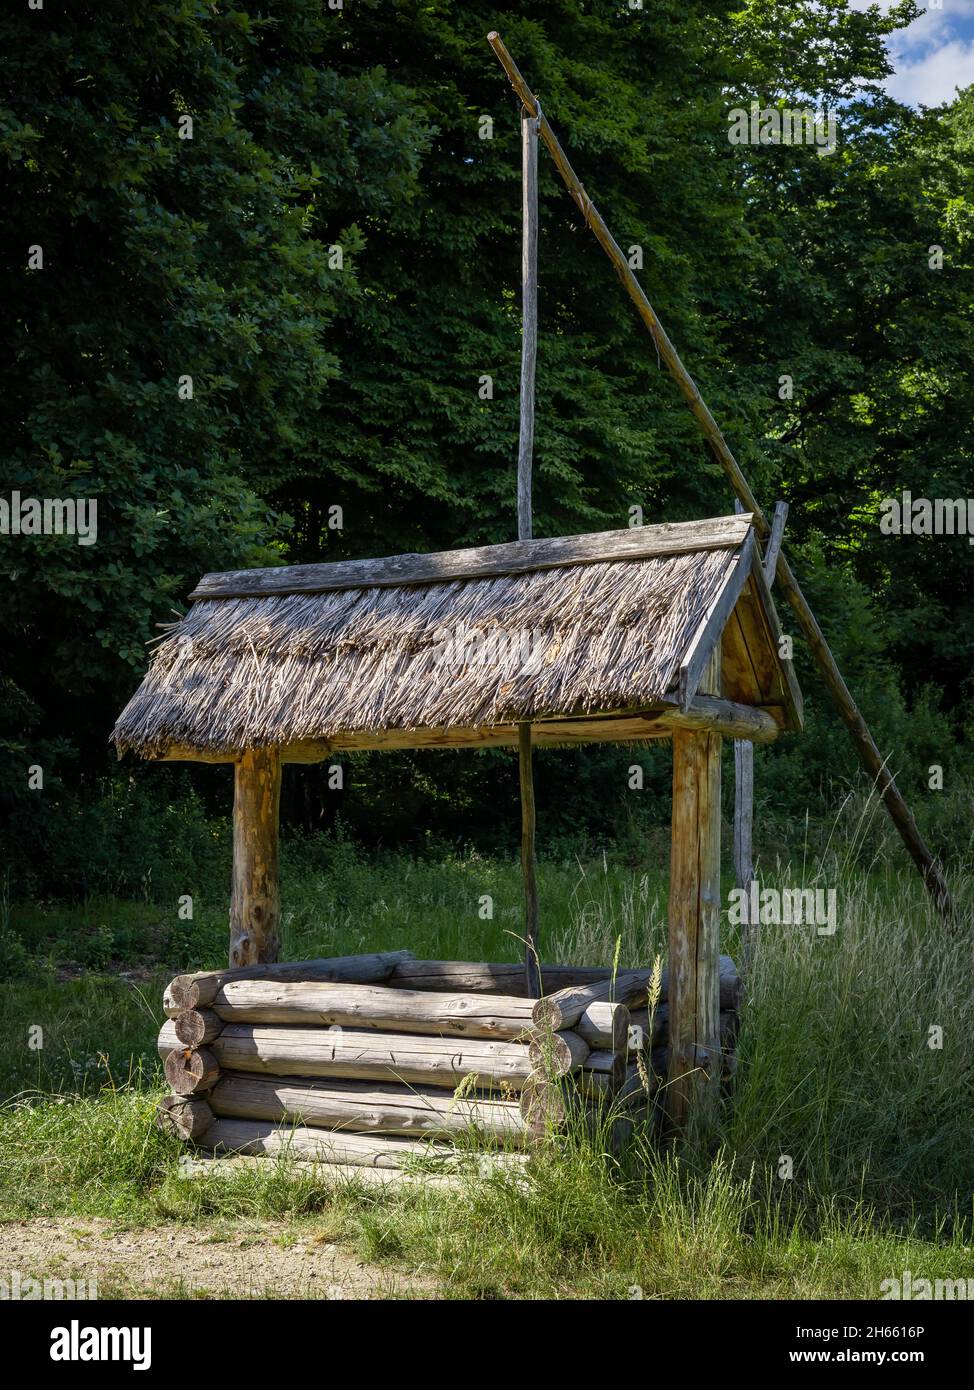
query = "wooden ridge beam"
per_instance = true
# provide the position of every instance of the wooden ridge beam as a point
(480, 562)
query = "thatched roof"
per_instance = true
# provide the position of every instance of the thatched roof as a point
(478, 639)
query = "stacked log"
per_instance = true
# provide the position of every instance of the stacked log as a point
(375, 1059)
(590, 1023)
(199, 990)
(264, 1058)
(376, 1109)
(362, 1006)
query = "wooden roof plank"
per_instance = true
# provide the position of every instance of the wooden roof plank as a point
(481, 562)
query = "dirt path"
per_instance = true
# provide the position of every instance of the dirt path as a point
(260, 1260)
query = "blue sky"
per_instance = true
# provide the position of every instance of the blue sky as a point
(934, 55)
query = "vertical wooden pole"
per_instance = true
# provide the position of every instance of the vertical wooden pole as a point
(525, 451)
(529, 319)
(528, 863)
(255, 909)
(694, 930)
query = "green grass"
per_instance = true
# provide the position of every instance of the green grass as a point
(835, 1072)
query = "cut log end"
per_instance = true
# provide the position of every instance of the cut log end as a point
(194, 1027)
(557, 1054)
(189, 1070)
(184, 1116)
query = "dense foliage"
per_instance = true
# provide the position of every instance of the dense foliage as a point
(333, 258)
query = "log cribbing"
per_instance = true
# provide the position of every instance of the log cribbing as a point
(198, 990)
(475, 1015)
(558, 1054)
(188, 1117)
(207, 1167)
(364, 1107)
(865, 744)
(565, 1007)
(550, 1106)
(167, 1041)
(371, 1056)
(322, 1145)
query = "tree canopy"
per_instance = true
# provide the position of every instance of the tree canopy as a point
(280, 254)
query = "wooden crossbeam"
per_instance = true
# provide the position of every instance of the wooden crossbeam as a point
(652, 722)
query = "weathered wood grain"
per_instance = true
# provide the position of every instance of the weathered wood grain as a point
(374, 1056)
(694, 915)
(604, 1025)
(511, 557)
(198, 990)
(473, 1015)
(255, 906)
(365, 1107)
(190, 1070)
(187, 1117)
(196, 1027)
(557, 1054)
(320, 1145)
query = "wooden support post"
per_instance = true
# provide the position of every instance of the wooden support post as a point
(869, 754)
(255, 908)
(694, 928)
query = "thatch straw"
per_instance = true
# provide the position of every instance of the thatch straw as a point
(257, 672)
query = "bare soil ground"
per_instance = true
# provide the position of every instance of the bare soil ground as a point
(259, 1260)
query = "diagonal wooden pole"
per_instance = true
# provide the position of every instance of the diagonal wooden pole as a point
(849, 712)
(529, 350)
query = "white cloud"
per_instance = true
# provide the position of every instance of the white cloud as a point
(931, 78)
(933, 55)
